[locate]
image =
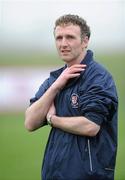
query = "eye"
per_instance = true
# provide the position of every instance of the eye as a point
(70, 37)
(58, 38)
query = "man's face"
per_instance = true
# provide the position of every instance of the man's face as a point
(69, 44)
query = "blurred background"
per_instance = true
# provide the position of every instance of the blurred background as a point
(28, 54)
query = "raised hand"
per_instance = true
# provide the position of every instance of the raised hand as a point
(68, 73)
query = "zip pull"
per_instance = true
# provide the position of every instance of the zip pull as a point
(90, 157)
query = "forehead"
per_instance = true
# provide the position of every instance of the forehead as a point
(67, 29)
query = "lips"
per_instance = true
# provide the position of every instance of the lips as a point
(65, 51)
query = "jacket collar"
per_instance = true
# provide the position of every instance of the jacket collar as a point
(88, 58)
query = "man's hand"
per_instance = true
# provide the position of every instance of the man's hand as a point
(69, 73)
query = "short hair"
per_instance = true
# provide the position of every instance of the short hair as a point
(75, 20)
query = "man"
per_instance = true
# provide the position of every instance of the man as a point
(80, 102)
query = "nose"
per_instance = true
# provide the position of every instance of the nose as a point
(64, 42)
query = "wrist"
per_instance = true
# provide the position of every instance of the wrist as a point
(49, 117)
(56, 86)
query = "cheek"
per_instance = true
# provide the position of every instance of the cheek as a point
(77, 48)
(57, 46)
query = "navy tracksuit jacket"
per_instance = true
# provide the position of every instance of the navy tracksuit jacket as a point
(74, 157)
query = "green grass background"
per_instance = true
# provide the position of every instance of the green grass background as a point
(21, 152)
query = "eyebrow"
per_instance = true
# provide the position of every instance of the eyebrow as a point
(67, 36)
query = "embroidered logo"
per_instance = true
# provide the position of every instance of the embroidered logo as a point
(74, 100)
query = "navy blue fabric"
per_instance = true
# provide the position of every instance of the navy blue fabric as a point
(73, 157)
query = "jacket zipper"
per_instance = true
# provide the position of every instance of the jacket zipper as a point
(90, 157)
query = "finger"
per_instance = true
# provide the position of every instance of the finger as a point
(74, 75)
(78, 65)
(75, 70)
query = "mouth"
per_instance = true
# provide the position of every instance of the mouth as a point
(65, 51)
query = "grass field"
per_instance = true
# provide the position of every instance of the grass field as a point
(21, 152)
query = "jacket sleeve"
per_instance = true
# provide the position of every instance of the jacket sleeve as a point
(41, 91)
(99, 102)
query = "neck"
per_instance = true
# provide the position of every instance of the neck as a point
(78, 60)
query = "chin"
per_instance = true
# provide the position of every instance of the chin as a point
(66, 59)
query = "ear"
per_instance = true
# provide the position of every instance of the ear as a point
(85, 42)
